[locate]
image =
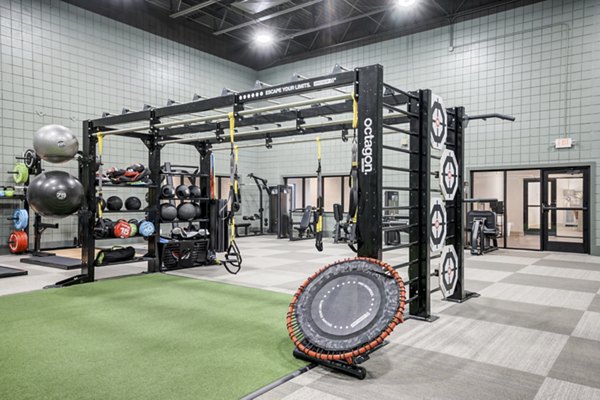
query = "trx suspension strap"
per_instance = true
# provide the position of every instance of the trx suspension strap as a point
(233, 256)
(353, 206)
(212, 175)
(99, 209)
(319, 214)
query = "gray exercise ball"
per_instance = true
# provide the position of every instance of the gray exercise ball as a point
(55, 194)
(55, 143)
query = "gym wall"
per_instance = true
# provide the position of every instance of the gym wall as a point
(61, 64)
(538, 63)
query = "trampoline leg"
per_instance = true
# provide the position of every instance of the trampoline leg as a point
(352, 370)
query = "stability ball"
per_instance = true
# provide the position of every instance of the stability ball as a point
(55, 194)
(55, 143)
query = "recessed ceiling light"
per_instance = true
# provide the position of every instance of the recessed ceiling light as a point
(264, 37)
(406, 3)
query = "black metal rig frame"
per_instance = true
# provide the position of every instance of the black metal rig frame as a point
(373, 95)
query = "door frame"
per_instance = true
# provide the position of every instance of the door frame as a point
(589, 166)
(556, 245)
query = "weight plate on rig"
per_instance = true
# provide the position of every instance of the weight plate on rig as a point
(448, 271)
(439, 122)
(449, 174)
(18, 242)
(20, 218)
(29, 158)
(438, 224)
(20, 173)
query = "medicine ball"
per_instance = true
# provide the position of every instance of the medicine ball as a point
(55, 143)
(168, 212)
(146, 228)
(183, 192)
(55, 194)
(134, 226)
(195, 191)
(122, 229)
(186, 212)
(133, 203)
(167, 192)
(114, 203)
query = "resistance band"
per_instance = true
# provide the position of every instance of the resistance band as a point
(233, 255)
(319, 214)
(212, 176)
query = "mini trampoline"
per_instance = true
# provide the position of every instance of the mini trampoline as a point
(345, 311)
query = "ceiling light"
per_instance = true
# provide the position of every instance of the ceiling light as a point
(264, 38)
(406, 3)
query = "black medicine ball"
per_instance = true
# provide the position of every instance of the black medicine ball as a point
(186, 212)
(133, 203)
(114, 203)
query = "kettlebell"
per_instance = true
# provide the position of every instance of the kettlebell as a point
(168, 212)
(182, 192)
(195, 191)
(167, 192)
(1, 191)
(9, 191)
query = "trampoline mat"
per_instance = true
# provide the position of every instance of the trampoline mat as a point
(6, 272)
(348, 304)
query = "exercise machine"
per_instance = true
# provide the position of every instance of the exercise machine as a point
(280, 210)
(482, 226)
(262, 186)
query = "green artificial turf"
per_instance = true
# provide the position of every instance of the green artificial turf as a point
(145, 337)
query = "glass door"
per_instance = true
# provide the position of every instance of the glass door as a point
(565, 219)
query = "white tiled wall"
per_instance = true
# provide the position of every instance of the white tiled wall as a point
(61, 64)
(540, 63)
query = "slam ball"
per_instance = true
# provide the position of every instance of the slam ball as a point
(55, 143)
(55, 194)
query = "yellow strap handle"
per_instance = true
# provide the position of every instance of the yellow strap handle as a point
(318, 147)
(236, 155)
(100, 137)
(232, 229)
(231, 127)
(354, 111)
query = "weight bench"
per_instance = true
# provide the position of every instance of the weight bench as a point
(244, 225)
(305, 227)
(484, 233)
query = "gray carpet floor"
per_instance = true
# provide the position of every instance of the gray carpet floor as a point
(533, 334)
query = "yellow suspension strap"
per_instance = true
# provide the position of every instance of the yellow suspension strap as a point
(100, 138)
(233, 256)
(353, 206)
(319, 213)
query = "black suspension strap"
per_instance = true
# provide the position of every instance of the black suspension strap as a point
(233, 257)
(319, 213)
(353, 206)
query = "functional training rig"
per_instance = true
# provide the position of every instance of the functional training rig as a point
(376, 109)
